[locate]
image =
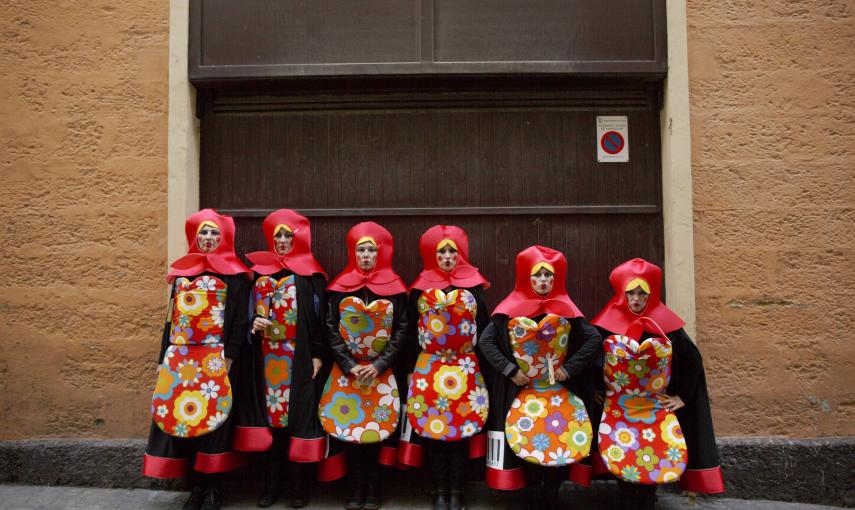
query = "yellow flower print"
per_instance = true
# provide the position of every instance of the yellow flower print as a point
(534, 407)
(190, 407)
(450, 381)
(672, 434)
(192, 302)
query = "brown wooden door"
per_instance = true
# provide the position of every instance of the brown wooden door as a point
(512, 171)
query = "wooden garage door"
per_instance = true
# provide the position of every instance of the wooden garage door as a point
(513, 170)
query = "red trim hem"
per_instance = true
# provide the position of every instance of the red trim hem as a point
(218, 462)
(410, 454)
(478, 446)
(252, 439)
(307, 450)
(164, 467)
(505, 479)
(707, 481)
(388, 456)
(332, 468)
(580, 474)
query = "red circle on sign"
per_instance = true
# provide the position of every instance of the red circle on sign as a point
(612, 142)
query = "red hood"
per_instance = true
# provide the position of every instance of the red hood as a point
(523, 301)
(300, 259)
(464, 274)
(616, 315)
(222, 260)
(382, 280)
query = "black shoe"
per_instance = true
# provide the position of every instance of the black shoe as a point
(268, 497)
(194, 502)
(455, 500)
(552, 499)
(271, 485)
(299, 498)
(213, 500)
(372, 496)
(440, 497)
(356, 499)
(299, 494)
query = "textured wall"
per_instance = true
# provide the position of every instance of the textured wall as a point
(83, 102)
(772, 89)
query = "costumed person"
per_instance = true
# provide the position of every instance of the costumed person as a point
(366, 324)
(447, 400)
(277, 410)
(539, 345)
(656, 423)
(206, 326)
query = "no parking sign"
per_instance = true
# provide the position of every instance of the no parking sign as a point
(612, 139)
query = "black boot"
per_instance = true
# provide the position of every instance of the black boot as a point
(372, 493)
(455, 497)
(357, 495)
(194, 502)
(533, 496)
(213, 499)
(299, 489)
(271, 484)
(552, 496)
(440, 496)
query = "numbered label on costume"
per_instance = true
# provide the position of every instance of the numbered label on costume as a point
(547, 424)
(352, 411)
(276, 300)
(193, 394)
(447, 398)
(639, 440)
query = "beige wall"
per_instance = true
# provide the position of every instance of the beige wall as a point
(83, 105)
(83, 101)
(772, 90)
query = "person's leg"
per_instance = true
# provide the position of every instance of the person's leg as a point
(356, 466)
(457, 455)
(371, 461)
(437, 453)
(272, 464)
(533, 486)
(301, 478)
(552, 479)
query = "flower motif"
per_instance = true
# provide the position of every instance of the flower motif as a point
(578, 437)
(533, 456)
(162, 411)
(342, 381)
(421, 383)
(224, 403)
(344, 409)
(648, 434)
(206, 283)
(515, 439)
(190, 407)
(371, 433)
(466, 328)
(546, 332)
(672, 434)
(621, 378)
(615, 453)
(180, 429)
(525, 424)
(534, 407)
(188, 372)
(559, 457)
(637, 408)
(637, 367)
(441, 403)
(416, 405)
(216, 420)
(389, 395)
(467, 364)
(667, 472)
(214, 365)
(355, 322)
(469, 428)
(450, 382)
(580, 415)
(630, 474)
(167, 380)
(646, 458)
(210, 389)
(463, 409)
(180, 335)
(625, 436)
(290, 316)
(437, 424)
(275, 399)
(381, 413)
(674, 454)
(555, 423)
(192, 302)
(277, 370)
(531, 348)
(540, 441)
(555, 400)
(478, 399)
(283, 420)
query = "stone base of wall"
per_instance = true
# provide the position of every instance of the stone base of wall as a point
(804, 470)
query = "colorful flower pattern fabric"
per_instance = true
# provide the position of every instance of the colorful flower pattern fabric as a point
(640, 441)
(349, 410)
(276, 300)
(447, 397)
(193, 394)
(547, 424)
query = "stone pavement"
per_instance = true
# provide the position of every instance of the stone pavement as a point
(35, 497)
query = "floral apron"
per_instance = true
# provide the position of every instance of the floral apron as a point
(349, 410)
(640, 441)
(276, 300)
(193, 395)
(547, 424)
(447, 397)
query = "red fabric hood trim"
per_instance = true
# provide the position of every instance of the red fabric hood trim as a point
(299, 260)
(382, 280)
(464, 275)
(523, 301)
(616, 315)
(222, 260)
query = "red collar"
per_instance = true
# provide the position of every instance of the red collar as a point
(382, 280)
(464, 275)
(222, 260)
(300, 259)
(523, 301)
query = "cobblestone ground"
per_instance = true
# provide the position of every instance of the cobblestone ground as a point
(27, 497)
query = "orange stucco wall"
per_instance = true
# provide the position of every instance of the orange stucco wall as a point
(83, 100)
(772, 92)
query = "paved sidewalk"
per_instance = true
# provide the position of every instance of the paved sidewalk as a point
(27, 497)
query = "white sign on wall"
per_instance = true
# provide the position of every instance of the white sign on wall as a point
(612, 139)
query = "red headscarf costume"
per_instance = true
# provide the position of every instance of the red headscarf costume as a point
(222, 260)
(523, 301)
(464, 274)
(382, 280)
(300, 259)
(616, 316)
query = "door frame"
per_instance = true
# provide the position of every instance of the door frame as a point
(677, 211)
